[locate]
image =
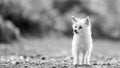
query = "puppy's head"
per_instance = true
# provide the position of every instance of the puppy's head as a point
(80, 24)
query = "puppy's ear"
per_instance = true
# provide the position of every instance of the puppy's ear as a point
(87, 20)
(74, 19)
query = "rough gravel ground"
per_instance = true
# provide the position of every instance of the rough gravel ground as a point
(54, 62)
(30, 54)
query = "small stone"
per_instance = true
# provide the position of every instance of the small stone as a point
(104, 64)
(21, 57)
(24, 56)
(53, 67)
(32, 57)
(95, 64)
(37, 64)
(108, 64)
(17, 63)
(43, 58)
(26, 66)
(6, 62)
(65, 67)
(13, 62)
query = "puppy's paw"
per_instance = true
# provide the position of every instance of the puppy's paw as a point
(77, 65)
(86, 64)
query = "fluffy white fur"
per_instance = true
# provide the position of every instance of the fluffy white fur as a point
(82, 41)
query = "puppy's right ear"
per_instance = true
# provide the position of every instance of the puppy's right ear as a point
(74, 19)
(87, 20)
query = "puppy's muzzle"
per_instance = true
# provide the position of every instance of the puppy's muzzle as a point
(75, 31)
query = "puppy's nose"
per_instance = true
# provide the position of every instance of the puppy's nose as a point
(75, 31)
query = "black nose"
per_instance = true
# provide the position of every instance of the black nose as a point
(75, 31)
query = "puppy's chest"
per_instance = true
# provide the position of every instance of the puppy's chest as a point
(82, 40)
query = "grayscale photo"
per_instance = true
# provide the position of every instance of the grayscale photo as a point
(59, 34)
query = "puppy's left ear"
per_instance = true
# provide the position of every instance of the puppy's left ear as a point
(87, 20)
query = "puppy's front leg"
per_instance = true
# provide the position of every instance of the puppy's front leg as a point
(88, 58)
(75, 53)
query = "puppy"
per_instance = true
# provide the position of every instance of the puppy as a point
(82, 41)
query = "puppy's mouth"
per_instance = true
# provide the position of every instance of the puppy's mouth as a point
(75, 31)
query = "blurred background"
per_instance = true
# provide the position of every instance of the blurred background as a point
(44, 27)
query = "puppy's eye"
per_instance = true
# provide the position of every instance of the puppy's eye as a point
(75, 26)
(80, 27)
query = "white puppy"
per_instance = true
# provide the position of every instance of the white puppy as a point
(82, 41)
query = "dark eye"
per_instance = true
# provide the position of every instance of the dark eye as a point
(75, 26)
(80, 27)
